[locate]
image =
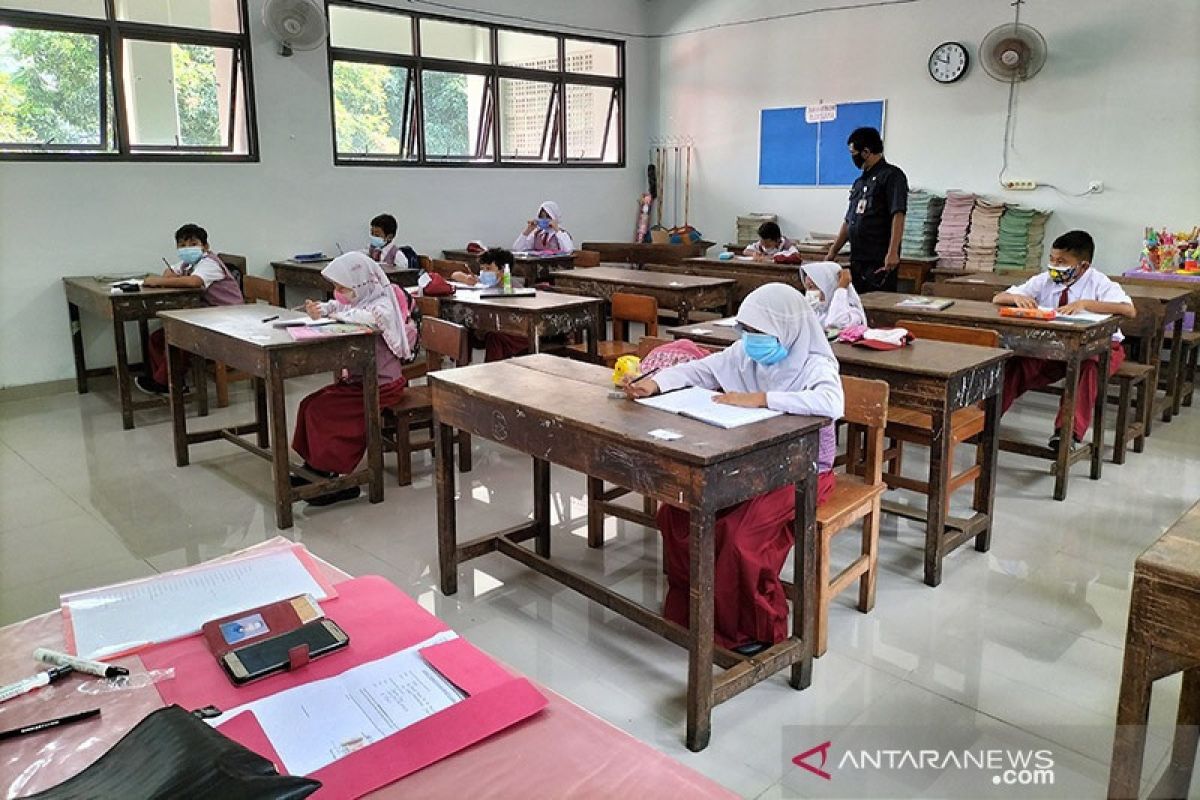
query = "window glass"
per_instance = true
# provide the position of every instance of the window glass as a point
(455, 40)
(49, 88)
(592, 58)
(373, 107)
(528, 120)
(363, 29)
(527, 50)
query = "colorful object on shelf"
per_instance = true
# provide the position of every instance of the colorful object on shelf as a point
(1167, 251)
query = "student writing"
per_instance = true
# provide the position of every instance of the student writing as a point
(771, 244)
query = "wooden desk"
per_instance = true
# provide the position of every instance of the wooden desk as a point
(545, 314)
(913, 269)
(1070, 343)
(86, 293)
(307, 275)
(683, 293)
(237, 336)
(937, 378)
(747, 274)
(1162, 638)
(532, 267)
(578, 754)
(641, 253)
(1158, 306)
(558, 411)
(1190, 283)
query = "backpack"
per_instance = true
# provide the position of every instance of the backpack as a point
(410, 255)
(412, 320)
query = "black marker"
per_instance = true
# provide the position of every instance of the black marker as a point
(271, 319)
(37, 727)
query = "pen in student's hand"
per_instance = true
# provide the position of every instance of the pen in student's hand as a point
(36, 727)
(271, 319)
(164, 260)
(646, 375)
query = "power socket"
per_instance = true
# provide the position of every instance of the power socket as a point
(1096, 187)
(1020, 184)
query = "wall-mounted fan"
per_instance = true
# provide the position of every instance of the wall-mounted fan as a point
(1014, 52)
(297, 24)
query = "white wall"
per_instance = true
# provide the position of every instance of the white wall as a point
(60, 219)
(1117, 101)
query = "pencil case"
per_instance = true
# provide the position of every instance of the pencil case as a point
(1027, 313)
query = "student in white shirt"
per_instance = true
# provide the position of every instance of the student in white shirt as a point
(830, 291)
(1070, 284)
(771, 244)
(545, 232)
(383, 248)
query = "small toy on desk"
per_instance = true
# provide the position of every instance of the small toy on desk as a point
(626, 367)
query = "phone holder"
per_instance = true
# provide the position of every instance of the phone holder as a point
(298, 656)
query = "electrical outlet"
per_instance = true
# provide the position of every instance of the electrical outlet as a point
(1096, 187)
(1020, 184)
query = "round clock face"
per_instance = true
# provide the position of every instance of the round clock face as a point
(948, 62)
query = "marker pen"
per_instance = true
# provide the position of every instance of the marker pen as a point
(36, 682)
(87, 665)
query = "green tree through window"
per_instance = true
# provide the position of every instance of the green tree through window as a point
(49, 87)
(196, 86)
(446, 117)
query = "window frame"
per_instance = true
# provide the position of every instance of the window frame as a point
(113, 33)
(493, 71)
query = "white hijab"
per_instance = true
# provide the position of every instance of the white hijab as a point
(551, 208)
(825, 275)
(781, 311)
(374, 294)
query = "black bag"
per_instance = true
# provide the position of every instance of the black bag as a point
(414, 261)
(173, 754)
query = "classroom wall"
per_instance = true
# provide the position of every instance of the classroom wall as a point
(60, 219)
(1116, 101)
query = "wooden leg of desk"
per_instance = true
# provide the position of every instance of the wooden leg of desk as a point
(541, 506)
(260, 412)
(282, 289)
(685, 313)
(985, 484)
(374, 431)
(1066, 413)
(447, 522)
(176, 368)
(1175, 387)
(279, 449)
(700, 630)
(804, 570)
(1099, 413)
(81, 385)
(1133, 712)
(594, 335)
(123, 388)
(1178, 778)
(200, 379)
(939, 487)
(595, 536)
(144, 343)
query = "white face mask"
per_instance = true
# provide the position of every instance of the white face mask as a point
(814, 298)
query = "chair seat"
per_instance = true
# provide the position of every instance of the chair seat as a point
(1189, 337)
(850, 493)
(1133, 371)
(415, 399)
(608, 351)
(964, 423)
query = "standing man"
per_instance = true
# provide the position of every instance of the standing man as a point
(874, 222)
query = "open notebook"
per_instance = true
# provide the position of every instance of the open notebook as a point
(697, 403)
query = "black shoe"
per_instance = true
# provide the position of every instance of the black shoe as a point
(336, 497)
(1057, 437)
(751, 649)
(298, 481)
(148, 385)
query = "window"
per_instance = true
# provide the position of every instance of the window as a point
(180, 69)
(416, 89)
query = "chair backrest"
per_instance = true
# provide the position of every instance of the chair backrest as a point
(236, 265)
(444, 340)
(424, 262)
(866, 409)
(587, 258)
(428, 306)
(648, 343)
(951, 333)
(446, 268)
(628, 308)
(965, 291)
(256, 289)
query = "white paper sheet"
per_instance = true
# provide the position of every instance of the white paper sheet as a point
(312, 725)
(697, 403)
(114, 619)
(1082, 317)
(726, 323)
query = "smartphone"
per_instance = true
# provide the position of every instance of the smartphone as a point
(271, 655)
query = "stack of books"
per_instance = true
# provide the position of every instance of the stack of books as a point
(984, 236)
(952, 231)
(921, 224)
(1021, 234)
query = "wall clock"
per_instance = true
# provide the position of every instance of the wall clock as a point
(948, 62)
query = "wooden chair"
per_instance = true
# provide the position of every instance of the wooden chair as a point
(236, 265)
(586, 258)
(1132, 377)
(908, 426)
(1191, 351)
(254, 290)
(441, 340)
(856, 497)
(447, 268)
(626, 308)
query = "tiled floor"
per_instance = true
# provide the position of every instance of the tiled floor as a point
(1026, 639)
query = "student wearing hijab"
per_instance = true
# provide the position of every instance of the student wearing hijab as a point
(782, 361)
(545, 232)
(331, 430)
(830, 291)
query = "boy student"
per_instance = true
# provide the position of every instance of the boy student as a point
(771, 243)
(497, 346)
(198, 268)
(1070, 285)
(383, 248)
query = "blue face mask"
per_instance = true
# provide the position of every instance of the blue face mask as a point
(763, 348)
(543, 223)
(190, 255)
(489, 278)
(377, 242)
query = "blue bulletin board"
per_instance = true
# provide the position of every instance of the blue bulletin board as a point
(793, 152)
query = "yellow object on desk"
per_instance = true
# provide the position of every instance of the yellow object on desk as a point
(626, 367)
